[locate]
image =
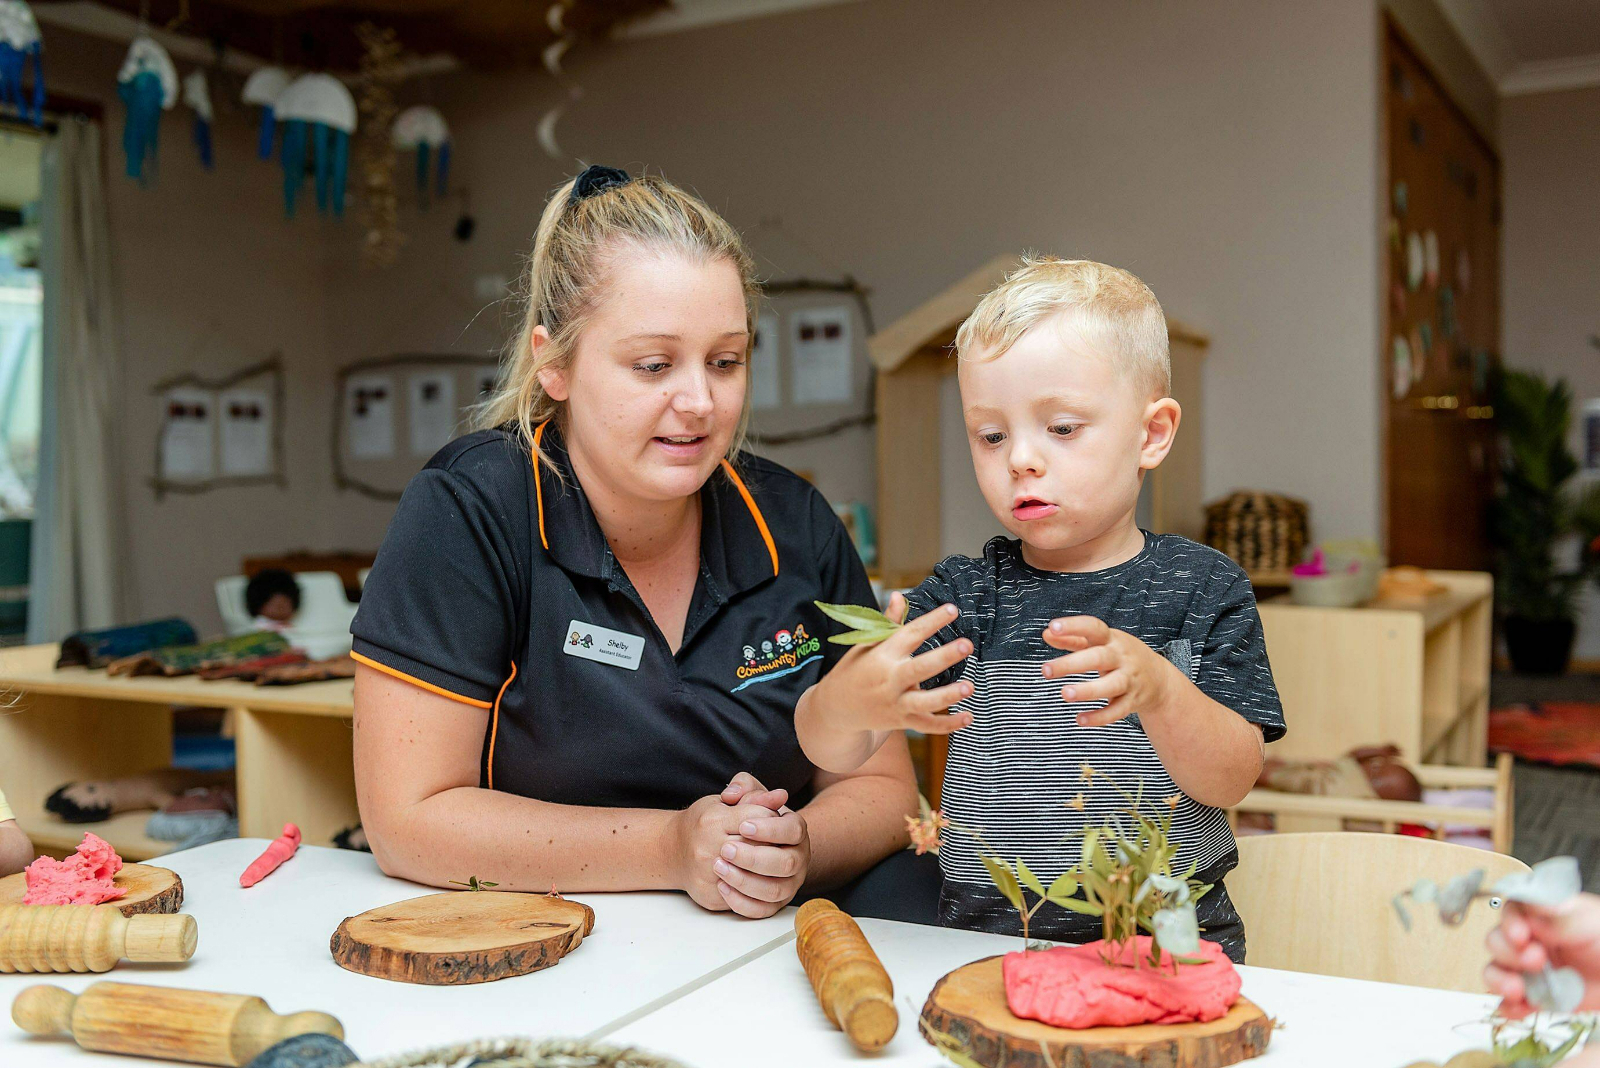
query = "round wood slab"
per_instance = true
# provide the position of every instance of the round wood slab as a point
(969, 1005)
(150, 890)
(461, 936)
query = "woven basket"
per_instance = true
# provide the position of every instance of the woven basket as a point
(1260, 531)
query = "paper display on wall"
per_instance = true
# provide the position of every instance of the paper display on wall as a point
(431, 403)
(246, 430)
(764, 372)
(819, 355)
(187, 440)
(369, 406)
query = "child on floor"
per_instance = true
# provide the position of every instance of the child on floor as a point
(272, 598)
(1164, 690)
(16, 852)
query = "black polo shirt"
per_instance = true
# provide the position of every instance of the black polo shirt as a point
(496, 588)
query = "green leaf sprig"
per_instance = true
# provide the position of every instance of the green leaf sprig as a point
(474, 883)
(868, 625)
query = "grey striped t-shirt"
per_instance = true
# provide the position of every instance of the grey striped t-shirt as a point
(1011, 772)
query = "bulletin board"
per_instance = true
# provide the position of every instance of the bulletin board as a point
(392, 413)
(1441, 318)
(220, 432)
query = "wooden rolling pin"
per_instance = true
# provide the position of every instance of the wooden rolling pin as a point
(850, 982)
(156, 1021)
(89, 938)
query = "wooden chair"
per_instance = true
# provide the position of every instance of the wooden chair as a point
(1322, 903)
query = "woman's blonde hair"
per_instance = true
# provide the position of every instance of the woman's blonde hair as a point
(572, 251)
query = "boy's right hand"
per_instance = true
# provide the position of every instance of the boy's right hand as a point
(879, 687)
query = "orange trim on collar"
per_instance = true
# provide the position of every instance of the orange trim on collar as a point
(538, 482)
(755, 513)
(413, 680)
(494, 729)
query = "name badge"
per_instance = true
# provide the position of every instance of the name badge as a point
(603, 645)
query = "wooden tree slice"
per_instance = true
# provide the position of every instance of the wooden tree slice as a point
(461, 937)
(150, 890)
(969, 1005)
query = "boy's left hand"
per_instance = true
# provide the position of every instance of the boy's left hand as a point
(1133, 676)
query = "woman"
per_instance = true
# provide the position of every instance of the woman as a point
(582, 642)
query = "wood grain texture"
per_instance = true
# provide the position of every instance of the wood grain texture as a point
(196, 1026)
(1292, 889)
(461, 937)
(151, 890)
(969, 1005)
(89, 938)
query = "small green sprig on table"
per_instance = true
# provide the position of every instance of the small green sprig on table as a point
(474, 883)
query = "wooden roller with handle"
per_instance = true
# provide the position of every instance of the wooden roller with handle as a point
(156, 1021)
(850, 981)
(89, 938)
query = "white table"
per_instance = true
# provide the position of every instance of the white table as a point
(658, 972)
(1337, 1023)
(272, 941)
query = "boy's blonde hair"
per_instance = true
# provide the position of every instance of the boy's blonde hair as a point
(572, 252)
(1114, 310)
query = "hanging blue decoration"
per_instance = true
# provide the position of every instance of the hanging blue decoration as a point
(20, 42)
(318, 115)
(148, 85)
(197, 95)
(262, 90)
(422, 128)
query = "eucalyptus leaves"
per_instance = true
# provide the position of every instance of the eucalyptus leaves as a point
(1126, 879)
(1548, 884)
(868, 625)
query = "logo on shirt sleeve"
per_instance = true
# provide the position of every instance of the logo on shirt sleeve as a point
(786, 652)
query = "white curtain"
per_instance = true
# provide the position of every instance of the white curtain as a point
(77, 528)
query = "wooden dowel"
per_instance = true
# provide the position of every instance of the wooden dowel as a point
(850, 982)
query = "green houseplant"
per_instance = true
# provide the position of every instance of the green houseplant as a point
(1534, 511)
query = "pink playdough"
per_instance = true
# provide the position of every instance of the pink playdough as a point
(1070, 986)
(85, 878)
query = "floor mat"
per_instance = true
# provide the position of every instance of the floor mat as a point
(1563, 733)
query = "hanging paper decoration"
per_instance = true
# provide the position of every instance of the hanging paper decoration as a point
(262, 89)
(148, 85)
(319, 115)
(424, 129)
(19, 41)
(1416, 260)
(1402, 367)
(555, 17)
(197, 95)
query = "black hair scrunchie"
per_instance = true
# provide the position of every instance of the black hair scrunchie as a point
(597, 179)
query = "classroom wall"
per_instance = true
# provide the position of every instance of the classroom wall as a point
(1226, 151)
(1551, 157)
(1223, 150)
(209, 277)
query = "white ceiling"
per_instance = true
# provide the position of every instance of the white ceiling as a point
(1531, 46)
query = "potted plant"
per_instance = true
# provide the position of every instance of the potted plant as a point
(1534, 511)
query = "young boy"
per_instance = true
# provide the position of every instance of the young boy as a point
(1064, 378)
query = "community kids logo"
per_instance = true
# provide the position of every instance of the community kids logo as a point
(585, 640)
(785, 652)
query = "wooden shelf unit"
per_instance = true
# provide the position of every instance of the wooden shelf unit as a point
(1411, 673)
(292, 747)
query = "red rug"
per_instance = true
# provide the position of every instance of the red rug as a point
(1551, 732)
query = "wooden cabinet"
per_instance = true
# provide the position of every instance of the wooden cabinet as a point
(1412, 674)
(292, 743)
